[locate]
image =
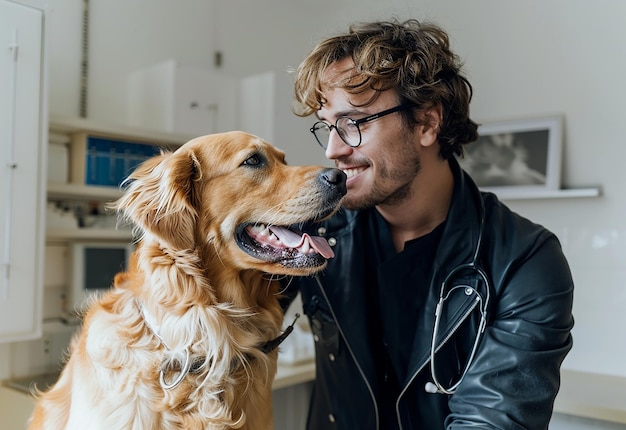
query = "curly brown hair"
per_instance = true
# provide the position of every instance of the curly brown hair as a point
(410, 57)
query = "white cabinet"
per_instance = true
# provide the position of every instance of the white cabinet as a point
(23, 131)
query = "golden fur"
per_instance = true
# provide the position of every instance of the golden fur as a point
(191, 288)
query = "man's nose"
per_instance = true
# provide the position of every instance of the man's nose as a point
(336, 146)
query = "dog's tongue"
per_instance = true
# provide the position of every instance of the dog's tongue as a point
(294, 240)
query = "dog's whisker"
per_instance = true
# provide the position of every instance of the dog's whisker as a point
(285, 287)
(218, 255)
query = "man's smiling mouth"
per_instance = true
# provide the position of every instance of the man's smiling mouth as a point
(353, 171)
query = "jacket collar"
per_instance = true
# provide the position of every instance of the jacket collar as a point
(463, 224)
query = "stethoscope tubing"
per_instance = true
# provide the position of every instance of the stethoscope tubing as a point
(483, 302)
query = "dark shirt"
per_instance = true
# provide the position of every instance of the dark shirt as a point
(397, 287)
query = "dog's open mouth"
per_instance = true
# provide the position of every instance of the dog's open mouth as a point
(283, 245)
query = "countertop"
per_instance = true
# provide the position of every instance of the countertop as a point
(288, 374)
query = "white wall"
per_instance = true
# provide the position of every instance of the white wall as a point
(524, 59)
(129, 36)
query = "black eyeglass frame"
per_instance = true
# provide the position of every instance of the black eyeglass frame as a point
(355, 122)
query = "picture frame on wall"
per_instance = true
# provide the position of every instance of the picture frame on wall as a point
(516, 156)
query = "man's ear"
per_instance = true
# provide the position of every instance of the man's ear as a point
(159, 199)
(430, 125)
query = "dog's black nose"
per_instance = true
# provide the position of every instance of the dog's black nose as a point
(335, 179)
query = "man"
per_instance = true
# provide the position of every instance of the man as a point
(393, 112)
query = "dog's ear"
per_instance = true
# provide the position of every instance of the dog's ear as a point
(159, 198)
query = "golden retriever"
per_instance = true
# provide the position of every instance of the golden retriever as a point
(185, 338)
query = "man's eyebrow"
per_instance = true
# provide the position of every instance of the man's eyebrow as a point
(349, 113)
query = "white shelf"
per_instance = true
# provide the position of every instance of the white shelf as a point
(103, 234)
(66, 125)
(63, 191)
(567, 193)
(69, 191)
(64, 129)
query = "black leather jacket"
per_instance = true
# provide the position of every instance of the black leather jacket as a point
(514, 377)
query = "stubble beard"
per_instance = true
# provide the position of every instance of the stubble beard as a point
(380, 194)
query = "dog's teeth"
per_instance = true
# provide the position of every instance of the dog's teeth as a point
(305, 248)
(273, 236)
(260, 230)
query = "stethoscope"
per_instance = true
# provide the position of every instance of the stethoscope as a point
(481, 301)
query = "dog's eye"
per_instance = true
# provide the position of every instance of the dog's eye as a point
(254, 160)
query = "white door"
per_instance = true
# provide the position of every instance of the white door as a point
(22, 170)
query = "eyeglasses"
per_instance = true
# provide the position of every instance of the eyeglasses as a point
(348, 128)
